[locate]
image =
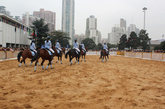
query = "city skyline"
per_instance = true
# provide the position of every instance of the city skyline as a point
(105, 11)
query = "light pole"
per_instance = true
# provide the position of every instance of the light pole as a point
(144, 10)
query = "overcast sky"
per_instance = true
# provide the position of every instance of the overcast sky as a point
(107, 12)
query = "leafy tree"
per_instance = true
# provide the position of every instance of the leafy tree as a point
(99, 46)
(133, 41)
(144, 39)
(61, 36)
(161, 46)
(123, 42)
(41, 29)
(89, 43)
(111, 45)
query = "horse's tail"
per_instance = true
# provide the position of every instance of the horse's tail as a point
(101, 53)
(19, 56)
(66, 55)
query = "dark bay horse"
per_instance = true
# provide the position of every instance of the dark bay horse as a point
(24, 54)
(59, 55)
(104, 54)
(43, 53)
(72, 54)
(83, 53)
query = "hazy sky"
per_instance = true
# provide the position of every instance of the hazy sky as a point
(107, 12)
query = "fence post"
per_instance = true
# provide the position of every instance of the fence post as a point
(151, 55)
(162, 56)
(142, 55)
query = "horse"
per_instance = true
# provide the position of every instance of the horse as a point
(104, 54)
(59, 55)
(24, 54)
(83, 53)
(72, 54)
(43, 53)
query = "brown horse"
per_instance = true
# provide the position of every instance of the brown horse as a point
(43, 53)
(104, 54)
(83, 53)
(24, 54)
(59, 55)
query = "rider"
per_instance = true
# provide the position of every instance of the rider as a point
(48, 45)
(105, 47)
(76, 46)
(33, 49)
(83, 47)
(58, 47)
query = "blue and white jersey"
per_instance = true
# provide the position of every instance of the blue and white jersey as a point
(83, 46)
(48, 44)
(42, 46)
(105, 46)
(58, 45)
(75, 45)
(32, 46)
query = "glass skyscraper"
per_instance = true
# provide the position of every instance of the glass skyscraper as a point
(68, 18)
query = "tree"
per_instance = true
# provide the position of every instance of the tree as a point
(144, 39)
(99, 46)
(123, 42)
(161, 46)
(111, 45)
(41, 29)
(133, 41)
(61, 36)
(89, 43)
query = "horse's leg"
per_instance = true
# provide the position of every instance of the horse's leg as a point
(78, 59)
(48, 64)
(102, 58)
(42, 64)
(20, 64)
(70, 58)
(24, 62)
(51, 64)
(84, 59)
(61, 58)
(35, 67)
(57, 60)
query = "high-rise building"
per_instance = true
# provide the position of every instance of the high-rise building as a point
(68, 10)
(115, 35)
(91, 29)
(48, 16)
(132, 28)
(123, 23)
(28, 19)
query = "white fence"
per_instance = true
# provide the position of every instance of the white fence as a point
(114, 53)
(142, 55)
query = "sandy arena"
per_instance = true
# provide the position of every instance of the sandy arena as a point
(120, 83)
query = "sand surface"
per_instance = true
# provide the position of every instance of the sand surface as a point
(120, 83)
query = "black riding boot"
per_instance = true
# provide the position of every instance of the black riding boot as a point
(34, 58)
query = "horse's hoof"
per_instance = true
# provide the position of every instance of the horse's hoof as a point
(47, 67)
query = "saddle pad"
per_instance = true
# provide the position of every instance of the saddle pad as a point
(32, 53)
(50, 53)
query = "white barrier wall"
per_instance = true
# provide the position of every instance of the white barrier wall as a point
(150, 56)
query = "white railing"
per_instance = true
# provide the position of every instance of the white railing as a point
(143, 55)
